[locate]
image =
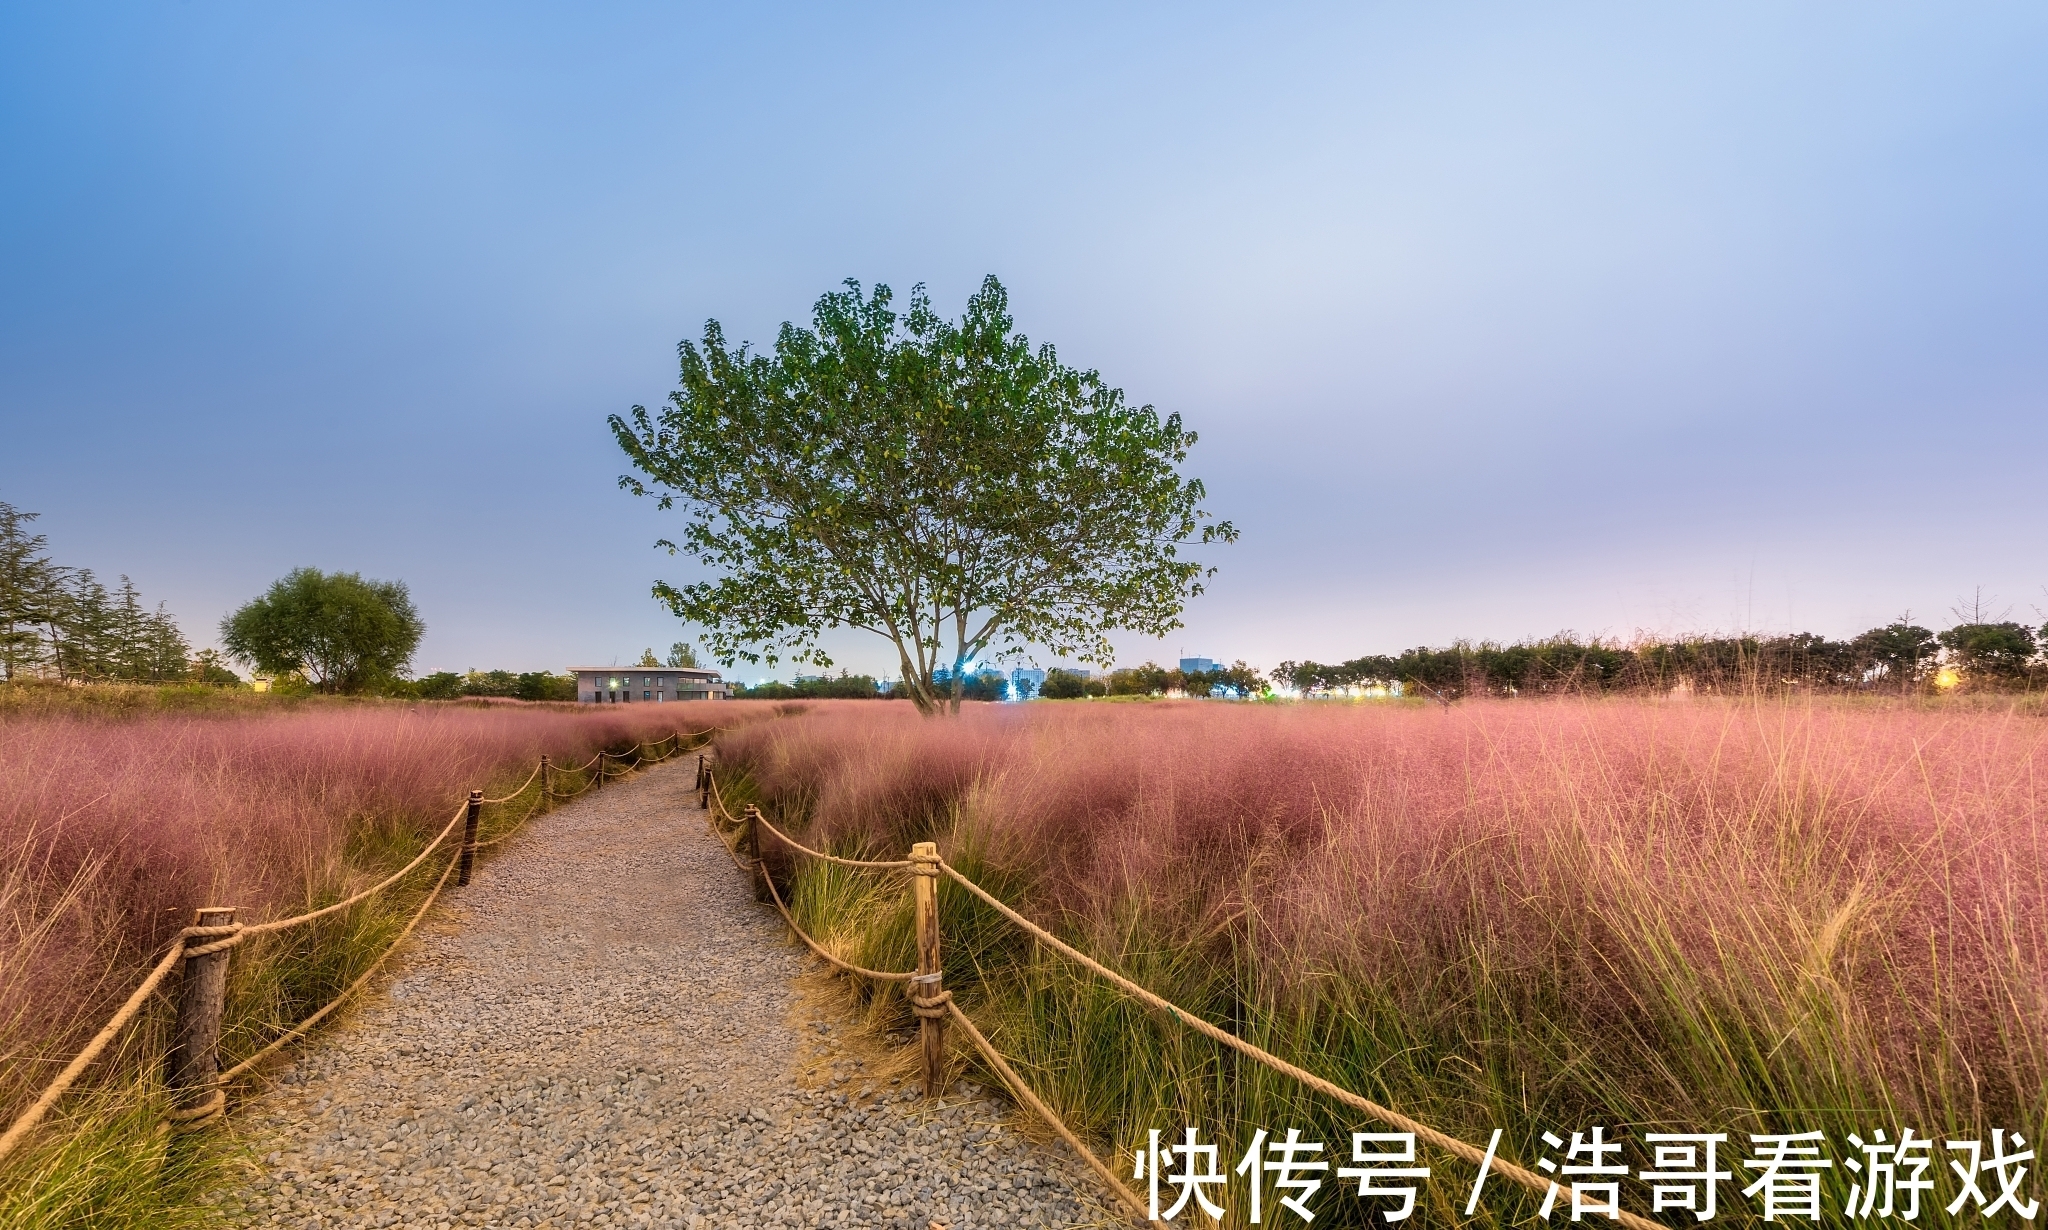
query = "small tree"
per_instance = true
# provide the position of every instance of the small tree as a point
(1991, 650)
(682, 653)
(647, 658)
(207, 666)
(918, 479)
(1243, 680)
(1899, 651)
(340, 631)
(1063, 685)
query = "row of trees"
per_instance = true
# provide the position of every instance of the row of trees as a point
(62, 622)
(1901, 656)
(1152, 679)
(448, 685)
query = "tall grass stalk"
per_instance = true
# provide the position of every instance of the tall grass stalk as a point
(1716, 916)
(115, 823)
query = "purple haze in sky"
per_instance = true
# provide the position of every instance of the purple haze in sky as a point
(1495, 320)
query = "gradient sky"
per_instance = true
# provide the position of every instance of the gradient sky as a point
(1495, 320)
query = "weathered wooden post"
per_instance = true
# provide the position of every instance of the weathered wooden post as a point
(547, 784)
(704, 785)
(476, 807)
(700, 771)
(928, 989)
(751, 824)
(603, 760)
(202, 994)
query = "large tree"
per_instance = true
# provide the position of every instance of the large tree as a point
(942, 484)
(341, 632)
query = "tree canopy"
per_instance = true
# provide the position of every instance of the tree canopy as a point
(340, 631)
(1998, 650)
(922, 479)
(62, 621)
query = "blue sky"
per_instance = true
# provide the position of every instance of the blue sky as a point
(1495, 320)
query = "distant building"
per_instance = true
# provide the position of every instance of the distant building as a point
(1026, 675)
(618, 685)
(1189, 666)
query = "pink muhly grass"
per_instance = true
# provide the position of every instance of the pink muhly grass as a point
(1861, 885)
(112, 832)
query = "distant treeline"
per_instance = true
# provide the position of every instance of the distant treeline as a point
(447, 685)
(830, 687)
(60, 622)
(1900, 656)
(1150, 679)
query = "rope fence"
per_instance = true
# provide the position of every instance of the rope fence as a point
(201, 951)
(933, 1006)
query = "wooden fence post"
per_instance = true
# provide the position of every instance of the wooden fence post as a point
(752, 836)
(703, 784)
(547, 784)
(602, 757)
(476, 806)
(929, 985)
(700, 770)
(195, 1051)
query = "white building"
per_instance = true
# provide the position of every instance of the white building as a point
(617, 685)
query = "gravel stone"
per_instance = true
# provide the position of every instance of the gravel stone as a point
(602, 1030)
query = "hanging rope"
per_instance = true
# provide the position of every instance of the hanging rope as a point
(1422, 1131)
(300, 1029)
(786, 839)
(201, 940)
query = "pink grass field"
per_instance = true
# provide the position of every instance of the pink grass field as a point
(112, 831)
(1860, 883)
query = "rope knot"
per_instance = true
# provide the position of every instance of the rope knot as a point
(923, 863)
(223, 935)
(930, 1007)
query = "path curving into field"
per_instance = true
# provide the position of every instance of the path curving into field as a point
(605, 1029)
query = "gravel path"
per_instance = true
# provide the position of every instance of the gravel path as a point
(605, 1029)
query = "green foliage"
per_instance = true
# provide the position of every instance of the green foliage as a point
(916, 477)
(1152, 679)
(27, 584)
(840, 687)
(63, 621)
(527, 685)
(340, 631)
(441, 685)
(210, 668)
(647, 658)
(682, 654)
(1063, 685)
(1899, 652)
(1990, 650)
(107, 1165)
(1896, 656)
